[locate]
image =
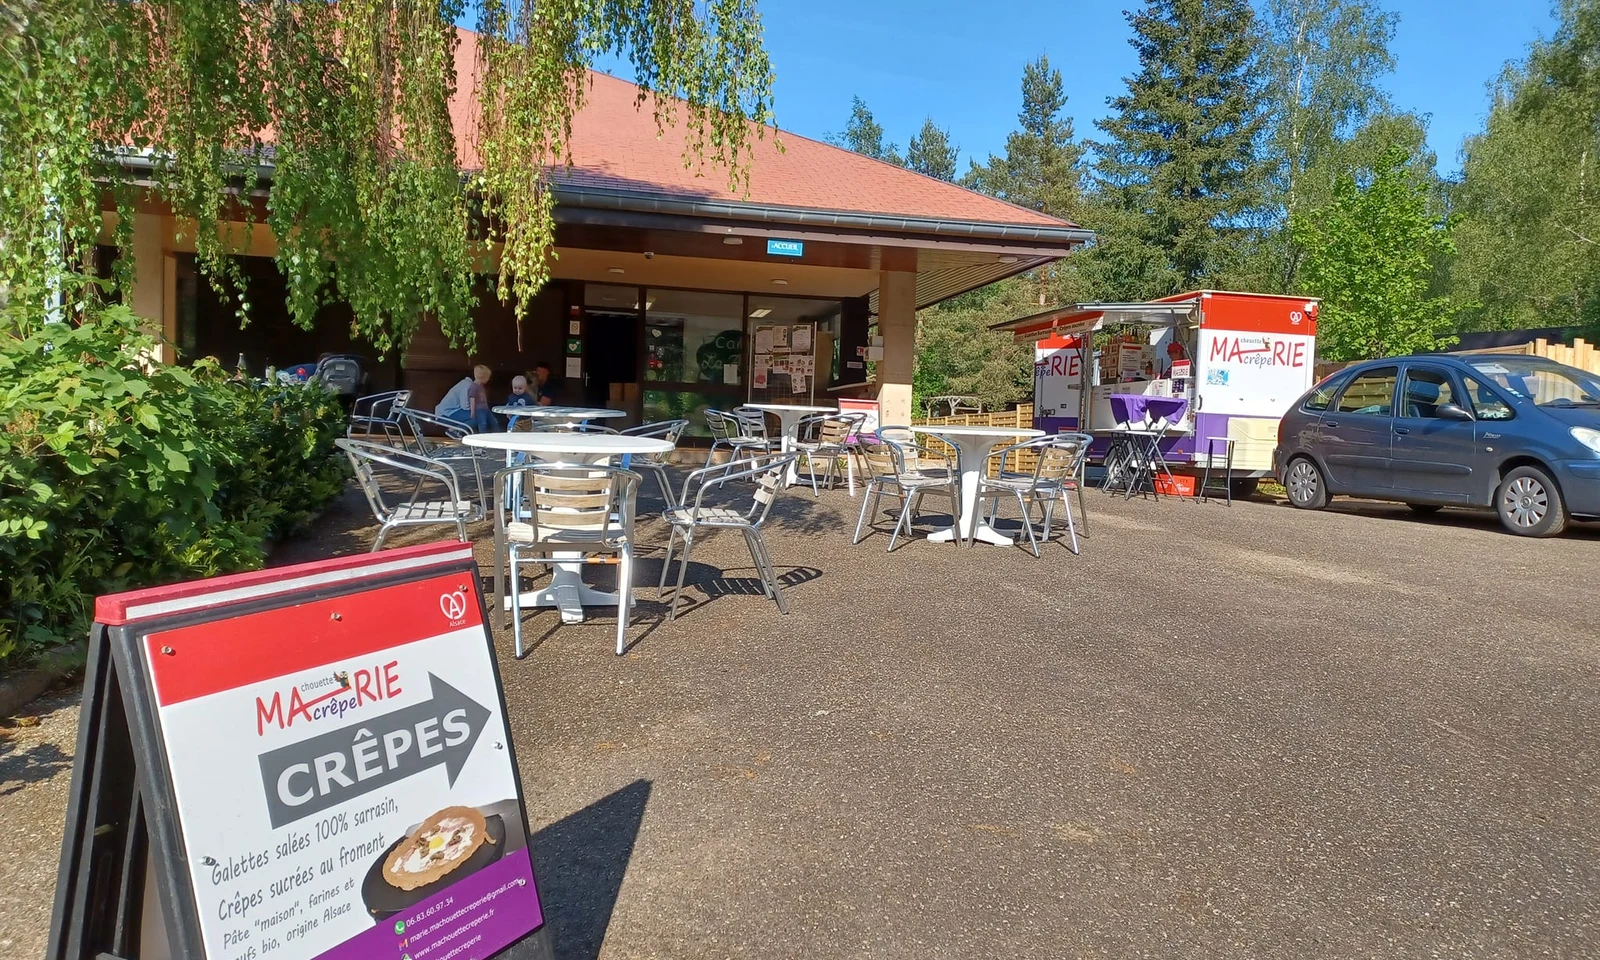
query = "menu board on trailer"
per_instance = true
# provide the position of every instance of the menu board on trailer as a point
(330, 765)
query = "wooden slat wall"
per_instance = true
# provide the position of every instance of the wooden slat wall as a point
(1022, 416)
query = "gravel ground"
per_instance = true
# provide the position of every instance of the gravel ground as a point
(1245, 732)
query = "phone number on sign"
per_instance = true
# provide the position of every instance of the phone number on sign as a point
(444, 904)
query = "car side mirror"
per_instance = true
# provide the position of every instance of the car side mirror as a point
(1452, 411)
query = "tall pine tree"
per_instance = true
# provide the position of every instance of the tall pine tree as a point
(1041, 169)
(1179, 164)
(932, 153)
(864, 134)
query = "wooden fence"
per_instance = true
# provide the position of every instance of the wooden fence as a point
(1021, 417)
(1581, 354)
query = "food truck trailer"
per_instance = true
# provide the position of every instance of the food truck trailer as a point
(1239, 359)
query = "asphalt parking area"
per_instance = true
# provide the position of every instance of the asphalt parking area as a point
(1219, 732)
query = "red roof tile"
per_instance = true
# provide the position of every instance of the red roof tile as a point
(616, 145)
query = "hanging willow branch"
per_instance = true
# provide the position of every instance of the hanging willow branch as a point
(330, 124)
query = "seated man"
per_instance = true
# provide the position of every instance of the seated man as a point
(468, 401)
(541, 384)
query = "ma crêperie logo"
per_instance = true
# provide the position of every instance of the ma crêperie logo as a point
(328, 697)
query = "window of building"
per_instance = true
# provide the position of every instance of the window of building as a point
(794, 354)
(694, 338)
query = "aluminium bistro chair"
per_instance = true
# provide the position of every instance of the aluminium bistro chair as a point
(756, 427)
(892, 468)
(550, 513)
(1055, 476)
(422, 434)
(728, 430)
(826, 437)
(391, 511)
(379, 412)
(656, 463)
(693, 515)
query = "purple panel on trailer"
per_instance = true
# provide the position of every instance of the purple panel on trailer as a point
(1178, 450)
(1055, 424)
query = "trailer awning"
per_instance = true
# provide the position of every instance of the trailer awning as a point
(1086, 317)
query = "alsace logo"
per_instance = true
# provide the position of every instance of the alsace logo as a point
(345, 692)
(454, 607)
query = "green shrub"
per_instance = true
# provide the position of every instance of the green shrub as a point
(118, 472)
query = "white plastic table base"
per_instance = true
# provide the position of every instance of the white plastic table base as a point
(789, 416)
(972, 455)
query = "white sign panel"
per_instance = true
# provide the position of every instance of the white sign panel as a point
(1057, 379)
(343, 778)
(1253, 374)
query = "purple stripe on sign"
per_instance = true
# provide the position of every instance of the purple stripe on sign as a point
(471, 919)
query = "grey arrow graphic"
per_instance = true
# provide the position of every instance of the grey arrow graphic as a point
(326, 770)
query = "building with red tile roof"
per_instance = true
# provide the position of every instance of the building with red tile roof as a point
(667, 282)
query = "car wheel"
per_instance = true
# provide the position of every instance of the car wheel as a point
(1307, 489)
(1424, 508)
(1243, 488)
(1529, 503)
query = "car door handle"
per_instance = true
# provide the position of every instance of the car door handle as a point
(1330, 423)
(1402, 430)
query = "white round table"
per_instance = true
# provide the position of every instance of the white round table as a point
(559, 414)
(973, 446)
(566, 589)
(789, 416)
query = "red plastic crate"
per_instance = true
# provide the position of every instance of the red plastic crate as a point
(1175, 485)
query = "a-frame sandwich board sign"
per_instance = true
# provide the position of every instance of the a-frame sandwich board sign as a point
(304, 763)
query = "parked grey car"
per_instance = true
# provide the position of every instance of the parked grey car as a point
(1517, 434)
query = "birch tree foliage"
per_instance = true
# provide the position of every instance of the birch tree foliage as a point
(330, 123)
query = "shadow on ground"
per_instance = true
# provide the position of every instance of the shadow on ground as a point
(579, 864)
(34, 764)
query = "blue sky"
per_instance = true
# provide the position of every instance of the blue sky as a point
(960, 61)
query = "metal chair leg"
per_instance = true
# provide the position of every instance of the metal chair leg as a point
(683, 568)
(771, 575)
(672, 538)
(1072, 530)
(516, 605)
(624, 597)
(905, 511)
(1027, 521)
(862, 518)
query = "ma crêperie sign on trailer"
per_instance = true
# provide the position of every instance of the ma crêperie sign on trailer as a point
(1240, 359)
(321, 760)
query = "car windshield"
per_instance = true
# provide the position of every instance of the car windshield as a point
(1545, 382)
